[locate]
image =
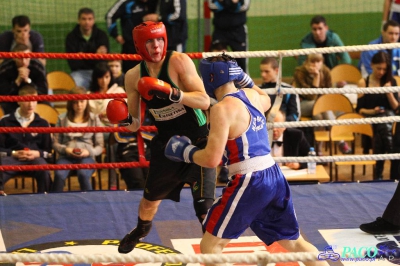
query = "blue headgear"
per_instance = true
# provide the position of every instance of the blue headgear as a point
(218, 73)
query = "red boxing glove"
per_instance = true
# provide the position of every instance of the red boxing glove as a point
(148, 87)
(117, 112)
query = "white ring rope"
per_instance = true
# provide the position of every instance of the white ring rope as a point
(258, 258)
(369, 90)
(323, 123)
(297, 52)
(339, 158)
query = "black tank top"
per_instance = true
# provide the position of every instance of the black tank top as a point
(174, 118)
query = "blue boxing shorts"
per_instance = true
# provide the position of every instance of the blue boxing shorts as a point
(260, 200)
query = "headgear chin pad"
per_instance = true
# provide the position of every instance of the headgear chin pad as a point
(146, 31)
(217, 73)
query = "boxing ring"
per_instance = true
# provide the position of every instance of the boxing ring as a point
(327, 213)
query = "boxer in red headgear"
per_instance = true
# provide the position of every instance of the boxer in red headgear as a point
(167, 81)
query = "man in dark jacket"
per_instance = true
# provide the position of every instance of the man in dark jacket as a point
(17, 72)
(85, 38)
(25, 148)
(130, 14)
(289, 142)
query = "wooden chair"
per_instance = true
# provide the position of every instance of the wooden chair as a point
(347, 132)
(1, 112)
(345, 72)
(330, 102)
(48, 113)
(60, 82)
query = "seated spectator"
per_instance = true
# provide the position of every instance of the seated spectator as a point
(76, 147)
(17, 72)
(321, 36)
(21, 33)
(390, 34)
(127, 151)
(25, 148)
(314, 74)
(290, 102)
(379, 105)
(289, 142)
(86, 37)
(102, 82)
(116, 72)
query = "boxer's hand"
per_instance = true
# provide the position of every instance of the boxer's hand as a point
(180, 149)
(117, 112)
(148, 87)
(243, 80)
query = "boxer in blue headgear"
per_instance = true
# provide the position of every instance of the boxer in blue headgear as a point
(219, 70)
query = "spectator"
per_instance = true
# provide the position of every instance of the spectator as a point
(230, 25)
(314, 74)
(76, 147)
(173, 15)
(391, 11)
(21, 33)
(86, 37)
(130, 14)
(321, 36)
(290, 102)
(116, 72)
(17, 72)
(378, 105)
(289, 142)
(102, 82)
(127, 151)
(390, 34)
(26, 148)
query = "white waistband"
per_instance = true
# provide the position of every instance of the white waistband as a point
(395, 7)
(251, 165)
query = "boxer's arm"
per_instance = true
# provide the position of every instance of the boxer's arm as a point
(189, 81)
(131, 80)
(221, 119)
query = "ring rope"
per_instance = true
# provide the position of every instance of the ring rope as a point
(258, 258)
(369, 90)
(199, 55)
(314, 123)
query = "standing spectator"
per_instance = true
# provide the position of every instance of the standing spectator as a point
(26, 148)
(391, 11)
(17, 72)
(21, 33)
(314, 74)
(379, 105)
(85, 38)
(390, 34)
(230, 25)
(173, 15)
(289, 142)
(290, 102)
(77, 147)
(321, 36)
(130, 14)
(116, 72)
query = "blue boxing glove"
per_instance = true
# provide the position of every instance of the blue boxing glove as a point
(243, 80)
(180, 149)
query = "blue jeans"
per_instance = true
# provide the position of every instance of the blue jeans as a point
(84, 175)
(82, 78)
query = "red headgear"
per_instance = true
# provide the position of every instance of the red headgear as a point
(146, 31)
